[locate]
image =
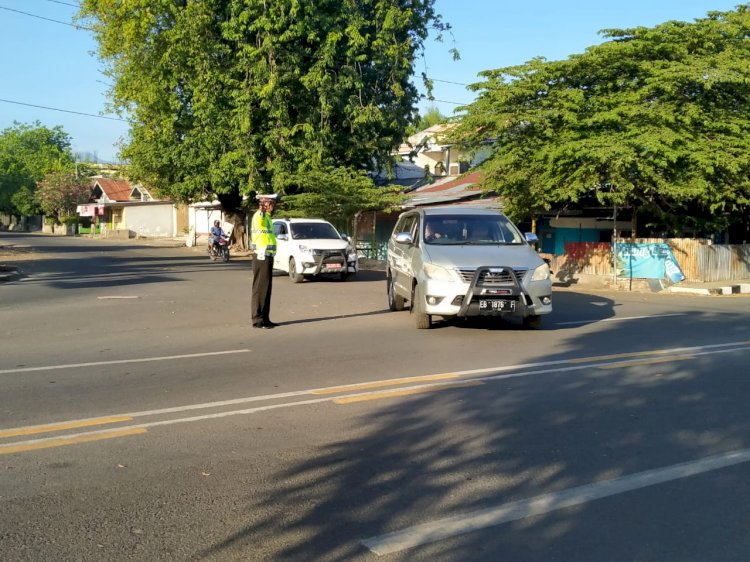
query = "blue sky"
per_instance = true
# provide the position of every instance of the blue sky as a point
(53, 65)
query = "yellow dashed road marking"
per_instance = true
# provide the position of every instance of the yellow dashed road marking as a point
(48, 443)
(46, 428)
(380, 384)
(403, 392)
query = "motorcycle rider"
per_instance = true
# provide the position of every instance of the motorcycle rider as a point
(215, 235)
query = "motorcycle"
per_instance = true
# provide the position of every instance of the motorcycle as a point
(220, 249)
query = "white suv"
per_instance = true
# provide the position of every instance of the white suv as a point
(454, 261)
(308, 247)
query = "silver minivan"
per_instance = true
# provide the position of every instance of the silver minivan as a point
(459, 262)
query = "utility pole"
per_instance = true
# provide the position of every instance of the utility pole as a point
(614, 246)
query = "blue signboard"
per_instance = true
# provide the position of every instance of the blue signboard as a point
(647, 261)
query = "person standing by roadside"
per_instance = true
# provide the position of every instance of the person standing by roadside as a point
(263, 243)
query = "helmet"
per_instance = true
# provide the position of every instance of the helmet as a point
(272, 197)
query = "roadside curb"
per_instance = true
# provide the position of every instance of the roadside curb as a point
(742, 288)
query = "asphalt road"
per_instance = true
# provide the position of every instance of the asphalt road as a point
(142, 418)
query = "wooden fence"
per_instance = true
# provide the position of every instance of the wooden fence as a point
(698, 259)
(685, 251)
(724, 262)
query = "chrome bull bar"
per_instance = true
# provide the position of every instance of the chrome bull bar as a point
(508, 289)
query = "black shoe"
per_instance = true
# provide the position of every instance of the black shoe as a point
(270, 324)
(259, 325)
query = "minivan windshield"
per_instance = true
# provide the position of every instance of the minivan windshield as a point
(470, 229)
(313, 230)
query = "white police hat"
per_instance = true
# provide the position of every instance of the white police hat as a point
(274, 197)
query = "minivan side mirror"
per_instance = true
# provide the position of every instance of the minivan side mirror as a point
(404, 238)
(282, 237)
(531, 238)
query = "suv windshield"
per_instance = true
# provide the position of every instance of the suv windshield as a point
(312, 230)
(470, 229)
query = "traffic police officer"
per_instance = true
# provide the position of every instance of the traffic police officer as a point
(263, 242)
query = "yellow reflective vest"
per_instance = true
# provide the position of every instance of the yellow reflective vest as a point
(262, 236)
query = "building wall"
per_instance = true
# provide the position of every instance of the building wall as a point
(202, 218)
(150, 220)
(563, 235)
(182, 219)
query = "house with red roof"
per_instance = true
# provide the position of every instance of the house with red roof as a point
(118, 208)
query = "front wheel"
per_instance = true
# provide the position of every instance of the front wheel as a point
(293, 275)
(422, 319)
(395, 302)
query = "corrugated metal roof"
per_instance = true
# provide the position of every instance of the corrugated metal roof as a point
(115, 190)
(453, 191)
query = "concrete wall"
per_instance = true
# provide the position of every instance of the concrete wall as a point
(202, 218)
(152, 221)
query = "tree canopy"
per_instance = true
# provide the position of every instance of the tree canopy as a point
(431, 117)
(338, 195)
(657, 118)
(27, 154)
(228, 97)
(59, 193)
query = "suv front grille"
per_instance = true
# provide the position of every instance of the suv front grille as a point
(326, 253)
(492, 278)
(329, 256)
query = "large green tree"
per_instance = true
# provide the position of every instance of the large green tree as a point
(231, 97)
(28, 152)
(657, 118)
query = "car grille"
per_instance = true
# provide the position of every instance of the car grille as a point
(492, 278)
(329, 256)
(327, 253)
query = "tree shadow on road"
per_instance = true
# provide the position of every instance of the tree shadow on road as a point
(411, 460)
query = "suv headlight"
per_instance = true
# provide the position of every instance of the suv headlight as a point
(438, 273)
(541, 273)
(305, 249)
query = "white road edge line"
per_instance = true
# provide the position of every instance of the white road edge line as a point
(540, 505)
(121, 361)
(620, 319)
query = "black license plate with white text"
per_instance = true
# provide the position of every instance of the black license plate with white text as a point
(496, 305)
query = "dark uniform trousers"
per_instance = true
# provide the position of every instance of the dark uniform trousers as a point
(260, 303)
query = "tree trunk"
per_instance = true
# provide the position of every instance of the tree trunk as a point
(237, 239)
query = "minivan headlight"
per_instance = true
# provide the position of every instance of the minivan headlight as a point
(438, 273)
(541, 273)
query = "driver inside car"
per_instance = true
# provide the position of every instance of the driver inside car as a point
(430, 233)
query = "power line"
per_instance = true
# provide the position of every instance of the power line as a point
(65, 3)
(46, 19)
(447, 81)
(65, 110)
(452, 102)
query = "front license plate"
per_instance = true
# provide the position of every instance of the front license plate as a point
(332, 265)
(497, 305)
